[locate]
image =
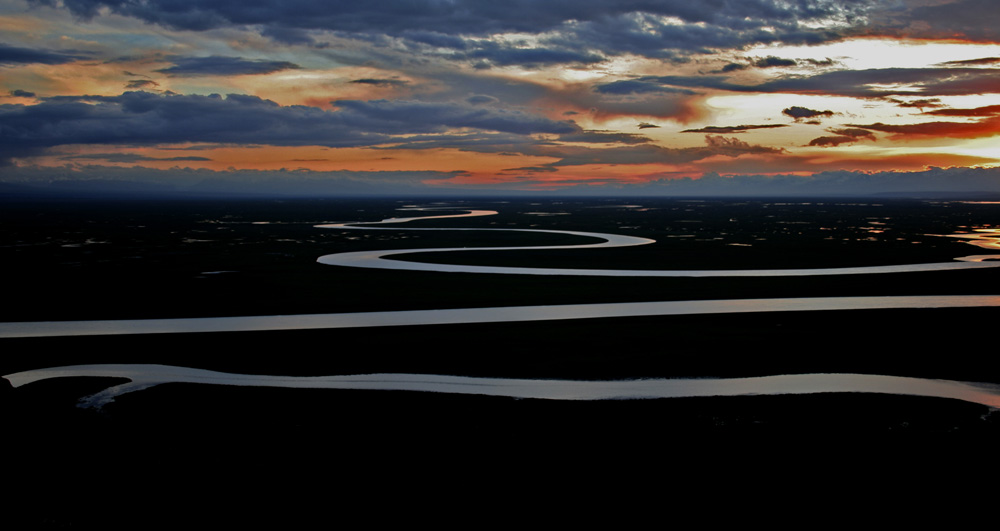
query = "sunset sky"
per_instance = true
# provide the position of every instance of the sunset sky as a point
(544, 95)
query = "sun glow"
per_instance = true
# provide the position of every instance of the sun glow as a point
(858, 54)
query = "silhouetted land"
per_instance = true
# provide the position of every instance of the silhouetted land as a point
(69, 260)
(134, 259)
(66, 260)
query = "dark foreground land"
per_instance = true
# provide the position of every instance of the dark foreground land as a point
(181, 455)
(120, 260)
(68, 260)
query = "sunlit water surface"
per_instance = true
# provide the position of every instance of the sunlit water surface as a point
(145, 376)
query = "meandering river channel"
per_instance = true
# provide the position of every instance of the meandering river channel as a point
(377, 259)
(143, 376)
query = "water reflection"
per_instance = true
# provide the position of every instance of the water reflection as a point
(985, 238)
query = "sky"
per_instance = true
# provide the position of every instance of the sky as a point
(548, 96)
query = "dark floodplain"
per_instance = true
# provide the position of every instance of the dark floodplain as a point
(74, 260)
(132, 259)
(136, 259)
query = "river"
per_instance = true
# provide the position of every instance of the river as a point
(144, 376)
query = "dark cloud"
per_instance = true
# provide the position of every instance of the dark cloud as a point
(659, 106)
(18, 93)
(477, 142)
(730, 129)
(638, 28)
(975, 20)
(132, 158)
(583, 31)
(287, 35)
(820, 62)
(649, 153)
(853, 132)
(989, 110)
(831, 141)
(139, 84)
(222, 66)
(734, 147)
(389, 117)
(531, 169)
(921, 104)
(772, 62)
(436, 39)
(843, 136)
(677, 84)
(871, 83)
(469, 17)
(801, 112)
(492, 54)
(603, 137)
(986, 127)
(142, 118)
(639, 86)
(645, 125)
(972, 62)
(481, 99)
(17, 55)
(654, 28)
(379, 82)
(578, 98)
(674, 105)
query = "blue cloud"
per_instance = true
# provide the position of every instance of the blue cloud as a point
(18, 55)
(143, 118)
(223, 66)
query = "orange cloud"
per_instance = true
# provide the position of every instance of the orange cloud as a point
(979, 129)
(805, 165)
(583, 99)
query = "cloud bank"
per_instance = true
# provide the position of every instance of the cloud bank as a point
(81, 180)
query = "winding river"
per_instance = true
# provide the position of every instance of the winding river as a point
(377, 259)
(144, 376)
(500, 314)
